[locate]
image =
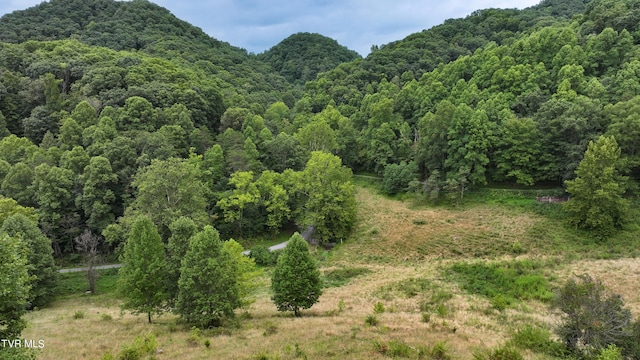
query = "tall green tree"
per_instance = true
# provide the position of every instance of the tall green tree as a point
(167, 190)
(97, 197)
(597, 193)
(53, 187)
(330, 205)
(518, 151)
(42, 270)
(296, 280)
(16, 184)
(14, 286)
(208, 285)
(142, 281)
(182, 230)
(245, 195)
(273, 199)
(248, 273)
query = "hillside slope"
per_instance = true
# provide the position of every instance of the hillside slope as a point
(300, 57)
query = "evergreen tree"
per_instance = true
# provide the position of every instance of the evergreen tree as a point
(208, 285)
(597, 193)
(296, 280)
(143, 276)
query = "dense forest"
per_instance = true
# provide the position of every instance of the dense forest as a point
(110, 111)
(92, 108)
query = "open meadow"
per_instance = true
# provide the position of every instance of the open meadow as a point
(411, 282)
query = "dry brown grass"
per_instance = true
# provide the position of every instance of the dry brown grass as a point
(389, 243)
(391, 230)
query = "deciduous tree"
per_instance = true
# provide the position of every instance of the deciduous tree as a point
(208, 285)
(143, 276)
(597, 193)
(296, 281)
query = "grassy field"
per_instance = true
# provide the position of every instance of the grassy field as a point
(412, 282)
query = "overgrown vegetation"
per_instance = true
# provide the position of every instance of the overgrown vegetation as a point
(119, 120)
(504, 283)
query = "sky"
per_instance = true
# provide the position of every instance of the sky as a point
(258, 25)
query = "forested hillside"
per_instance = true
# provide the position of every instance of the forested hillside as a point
(123, 125)
(300, 57)
(509, 96)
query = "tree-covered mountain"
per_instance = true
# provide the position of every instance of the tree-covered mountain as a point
(142, 26)
(92, 136)
(300, 57)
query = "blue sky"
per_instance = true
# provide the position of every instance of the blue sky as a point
(257, 25)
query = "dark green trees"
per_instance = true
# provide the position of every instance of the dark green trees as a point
(597, 201)
(43, 277)
(208, 285)
(143, 277)
(14, 286)
(296, 280)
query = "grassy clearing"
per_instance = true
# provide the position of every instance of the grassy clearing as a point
(73, 284)
(340, 277)
(390, 292)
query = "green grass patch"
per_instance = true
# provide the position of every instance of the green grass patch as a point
(340, 277)
(406, 288)
(537, 340)
(71, 284)
(503, 283)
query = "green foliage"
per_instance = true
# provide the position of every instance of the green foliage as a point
(504, 352)
(263, 256)
(142, 347)
(209, 281)
(7, 353)
(97, 197)
(538, 340)
(394, 348)
(397, 177)
(42, 271)
(330, 206)
(14, 286)
(341, 277)
(611, 352)
(142, 278)
(409, 287)
(182, 230)
(167, 190)
(296, 281)
(593, 318)
(504, 283)
(372, 320)
(79, 314)
(247, 271)
(597, 201)
(300, 57)
(378, 308)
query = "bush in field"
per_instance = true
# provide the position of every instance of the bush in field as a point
(594, 318)
(263, 256)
